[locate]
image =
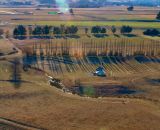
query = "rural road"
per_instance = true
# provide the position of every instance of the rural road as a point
(6, 124)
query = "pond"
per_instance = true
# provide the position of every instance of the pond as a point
(103, 91)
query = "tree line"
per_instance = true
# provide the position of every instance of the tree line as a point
(23, 31)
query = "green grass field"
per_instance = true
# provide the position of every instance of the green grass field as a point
(93, 23)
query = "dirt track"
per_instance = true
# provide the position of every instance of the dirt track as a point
(9, 50)
(13, 125)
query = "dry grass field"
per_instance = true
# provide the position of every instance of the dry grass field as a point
(40, 105)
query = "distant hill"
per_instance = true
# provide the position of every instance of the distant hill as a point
(82, 3)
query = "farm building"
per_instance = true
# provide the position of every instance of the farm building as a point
(100, 71)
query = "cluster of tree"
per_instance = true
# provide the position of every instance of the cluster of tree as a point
(126, 29)
(38, 30)
(113, 29)
(71, 30)
(102, 30)
(21, 31)
(65, 30)
(151, 32)
(98, 29)
(158, 16)
(71, 11)
(130, 8)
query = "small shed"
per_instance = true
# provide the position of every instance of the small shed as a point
(53, 13)
(100, 71)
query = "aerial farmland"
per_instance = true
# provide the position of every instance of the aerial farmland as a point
(80, 68)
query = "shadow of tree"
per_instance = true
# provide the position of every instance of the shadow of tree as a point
(73, 36)
(100, 35)
(16, 73)
(116, 35)
(130, 35)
